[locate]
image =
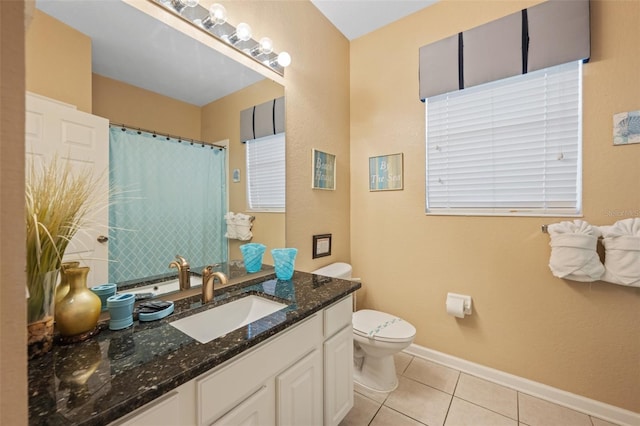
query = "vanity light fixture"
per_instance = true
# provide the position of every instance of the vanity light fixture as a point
(214, 22)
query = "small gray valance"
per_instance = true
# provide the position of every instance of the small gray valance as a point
(545, 35)
(262, 120)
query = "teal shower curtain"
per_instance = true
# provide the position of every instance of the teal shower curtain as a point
(169, 198)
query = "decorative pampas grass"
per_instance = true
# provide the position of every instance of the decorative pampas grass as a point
(59, 199)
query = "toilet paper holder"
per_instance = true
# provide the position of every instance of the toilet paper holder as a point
(466, 302)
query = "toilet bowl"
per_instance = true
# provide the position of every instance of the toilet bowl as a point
(377, 337)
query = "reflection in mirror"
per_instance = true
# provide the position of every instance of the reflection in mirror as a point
(131, 68)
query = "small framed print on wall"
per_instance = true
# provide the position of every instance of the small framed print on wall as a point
(385, 172)
(323, 170)
(321, 245)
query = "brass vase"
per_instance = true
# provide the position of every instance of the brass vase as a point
(78, 312)
(63, 288)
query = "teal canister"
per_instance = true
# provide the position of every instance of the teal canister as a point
(121, 310)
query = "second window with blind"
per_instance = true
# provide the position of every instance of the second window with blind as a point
(510, 147)
(266, 173)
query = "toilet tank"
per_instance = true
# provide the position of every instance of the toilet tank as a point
(335, 270)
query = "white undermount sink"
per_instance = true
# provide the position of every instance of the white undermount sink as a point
(213, 323)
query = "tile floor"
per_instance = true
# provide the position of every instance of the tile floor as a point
(431, 394)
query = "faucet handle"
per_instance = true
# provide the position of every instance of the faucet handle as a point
(182, 260)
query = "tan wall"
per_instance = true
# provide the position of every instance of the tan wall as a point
(13, 336)
(58, 62)
(125, 104)
(220, 121)
(317, 111)
(579, 337)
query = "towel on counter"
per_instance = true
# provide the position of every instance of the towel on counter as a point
(573, 251)
(239, 226)
(622, 252)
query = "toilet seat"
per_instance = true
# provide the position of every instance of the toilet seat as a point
(381, 326)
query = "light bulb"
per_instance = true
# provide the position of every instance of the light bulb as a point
(266, 45)
(218, 14)
(243, 31)
(284, 59)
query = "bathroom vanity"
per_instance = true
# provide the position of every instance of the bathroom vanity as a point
(291, 367)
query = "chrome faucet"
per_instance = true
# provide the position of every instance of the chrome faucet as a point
(208, 277)
(182, 266)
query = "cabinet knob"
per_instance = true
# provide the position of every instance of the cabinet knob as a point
(102, 239)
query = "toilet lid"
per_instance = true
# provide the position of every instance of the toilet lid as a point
(381, 326)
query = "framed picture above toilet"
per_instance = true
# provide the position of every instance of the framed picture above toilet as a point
(386, 172)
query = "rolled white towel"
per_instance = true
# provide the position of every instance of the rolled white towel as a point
(232, 232)
(573, 251)
(243, 225)
(622, 252)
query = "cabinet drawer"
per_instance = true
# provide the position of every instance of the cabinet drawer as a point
(225, 387)
(337, 316)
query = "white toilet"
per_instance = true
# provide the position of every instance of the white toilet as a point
(377, 336)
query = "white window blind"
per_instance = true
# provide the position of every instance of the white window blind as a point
(510, 147)
(266, 173)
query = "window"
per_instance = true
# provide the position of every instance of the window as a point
(510, 147)
(266, 173)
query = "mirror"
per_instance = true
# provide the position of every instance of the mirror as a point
(146, 74)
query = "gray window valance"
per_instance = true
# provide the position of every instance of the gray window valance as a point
(262, 120)
(548, 34)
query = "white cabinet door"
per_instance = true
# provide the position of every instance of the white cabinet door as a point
(299, 392)
(338, 376)
(54, 128)
(257, 410)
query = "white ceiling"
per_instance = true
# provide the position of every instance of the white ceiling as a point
(130, 46)
(355, 18)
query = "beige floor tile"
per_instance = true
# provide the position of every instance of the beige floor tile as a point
(432, 374)
(463, 413)
(537, 412)
(388, 417)
(362, 412)
(420, 402)
(599, 422)
(401, 360)
(489, 395)
(376, 396)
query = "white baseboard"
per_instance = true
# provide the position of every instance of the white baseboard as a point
(576, 402)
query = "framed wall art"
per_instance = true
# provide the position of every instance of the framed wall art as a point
(626, 128)
(385, 172)
(323, 170)
(321, 245)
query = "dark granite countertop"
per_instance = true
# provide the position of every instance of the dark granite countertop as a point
(115, 372)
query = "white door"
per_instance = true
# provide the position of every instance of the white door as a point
(53, 127)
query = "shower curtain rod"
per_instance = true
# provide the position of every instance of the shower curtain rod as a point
(168, 136)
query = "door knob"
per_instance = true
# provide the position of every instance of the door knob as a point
(102, 239)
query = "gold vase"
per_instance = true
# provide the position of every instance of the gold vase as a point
(63, 288)
(78, 312)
